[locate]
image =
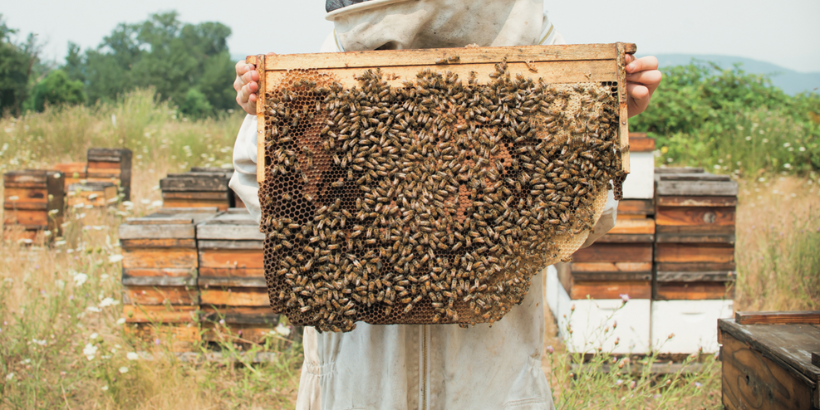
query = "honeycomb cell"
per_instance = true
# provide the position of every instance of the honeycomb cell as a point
(435, 202)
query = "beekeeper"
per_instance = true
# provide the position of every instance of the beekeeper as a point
(432, 367)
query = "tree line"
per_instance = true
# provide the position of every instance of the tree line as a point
(187, 64)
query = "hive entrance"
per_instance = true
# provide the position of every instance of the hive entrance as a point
(434, 202)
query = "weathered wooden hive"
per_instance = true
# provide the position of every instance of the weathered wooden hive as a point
(771, 360)
(159, 273)
(33, 202)
(73, 173)
(694, 257)
(432, 189)
(110, 165)
(200, 188)
(232, 277)
(97, 194)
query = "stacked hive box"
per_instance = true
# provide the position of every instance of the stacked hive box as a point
(694, 257)
(33, 202)
(159, 274)
(232, 276)
(73, 173)
(590, 290)
(202, 187)
(97, 194)
(235, 200)
(111, 165)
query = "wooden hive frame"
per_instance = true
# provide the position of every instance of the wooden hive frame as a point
(602, 63)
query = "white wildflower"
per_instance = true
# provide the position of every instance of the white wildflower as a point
(787, 166)
(156, 204)
(132, 356)
(123, 370)
(105, 388)
(13, 198)
(93, 336)
(89, 351)
(79, 279)
(121, 321)
(93, 309)
(10, 376)
(114, 258)
(109, 302)
(39, 342)
(282, 330)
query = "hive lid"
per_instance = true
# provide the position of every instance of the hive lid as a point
(679, 170)
(195, 182)
(108, 154)
(90, 186)
(231, 225)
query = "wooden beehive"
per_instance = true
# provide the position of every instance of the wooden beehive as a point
(234, 199)
(33, 202)
(73, 173)
(232, 276)
(695, 235)
(200, 189)
(111, 165)
(97, 194)
(159, 272)
(770, 360)
(509, 100)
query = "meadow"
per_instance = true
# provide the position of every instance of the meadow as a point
(62, 339)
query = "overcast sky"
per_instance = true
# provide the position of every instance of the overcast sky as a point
(784, 32)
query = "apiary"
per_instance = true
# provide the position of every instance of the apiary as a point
(95, 194)
(33, 202)
(203, 188)
(159, 273)
(111, 165)
(73, 173)
(770, 360)
(232, 275)
(431, 189)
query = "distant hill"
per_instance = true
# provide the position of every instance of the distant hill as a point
(790, 81)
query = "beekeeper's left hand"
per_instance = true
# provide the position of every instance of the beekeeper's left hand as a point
(642, 78)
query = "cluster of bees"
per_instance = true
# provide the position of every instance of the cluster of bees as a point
(434, 202)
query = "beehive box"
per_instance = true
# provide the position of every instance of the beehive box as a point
(432, 189)
(111, 165)
(159, 273)
(73, 173)
(770, 360)
(202, 189)
(695, 235)
(640, 185)
(97, 194)
(234, 199)
(33, 202)
(232, 276)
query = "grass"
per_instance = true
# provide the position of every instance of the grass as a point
(60, 305)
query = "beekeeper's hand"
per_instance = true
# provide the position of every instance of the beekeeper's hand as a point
(246, 86)
(642, 79)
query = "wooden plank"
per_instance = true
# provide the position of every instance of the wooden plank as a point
(693, 291)
(25, 198)
(238, 273)
(158, 281)
(611, 276)
(178, 258)
(34, 178)
(25, 217)
(694, 252)
(611, 267)
(162, 219)
(230, 232)
(633, 226)
(636, 207)
(212, 195)
(753, 381)
(695, 238)
(194, 183)
(614, 252)
(242, 333)
(686, 276)
(610, 238)
(695, 267)
(229, 244)
(71, 167)
(108, 154)
(159, 314)
(696, 230)
(235, 297)
(128, 231)
(695, 216)
(103, 166)
(611, 289)
(220, 204)
(770, 318)
(697, 201)
(225, 278)
(259, 62)
(153, 295)
(177, 339)
(160, 272)
(233, 258)
(129, 244)
(240, 315)
(640, 144)
(623, 126)
(815, 359)
(696, 188)
(428, 57)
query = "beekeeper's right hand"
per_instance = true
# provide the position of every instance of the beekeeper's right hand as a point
(246, 86)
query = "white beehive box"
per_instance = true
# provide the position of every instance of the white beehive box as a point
(640, 184)
(693, 323)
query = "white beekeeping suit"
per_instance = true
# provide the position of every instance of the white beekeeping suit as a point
(435, 367)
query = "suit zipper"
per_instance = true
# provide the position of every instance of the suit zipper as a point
(424, 367)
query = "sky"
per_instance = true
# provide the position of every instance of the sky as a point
(783, 32)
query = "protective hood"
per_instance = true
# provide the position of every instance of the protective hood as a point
(414, 24)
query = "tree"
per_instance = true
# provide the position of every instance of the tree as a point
(57, 89)
(17, 61)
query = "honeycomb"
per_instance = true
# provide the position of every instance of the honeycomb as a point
(430, 203)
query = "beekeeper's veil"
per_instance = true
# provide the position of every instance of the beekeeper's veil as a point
(413, 24)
